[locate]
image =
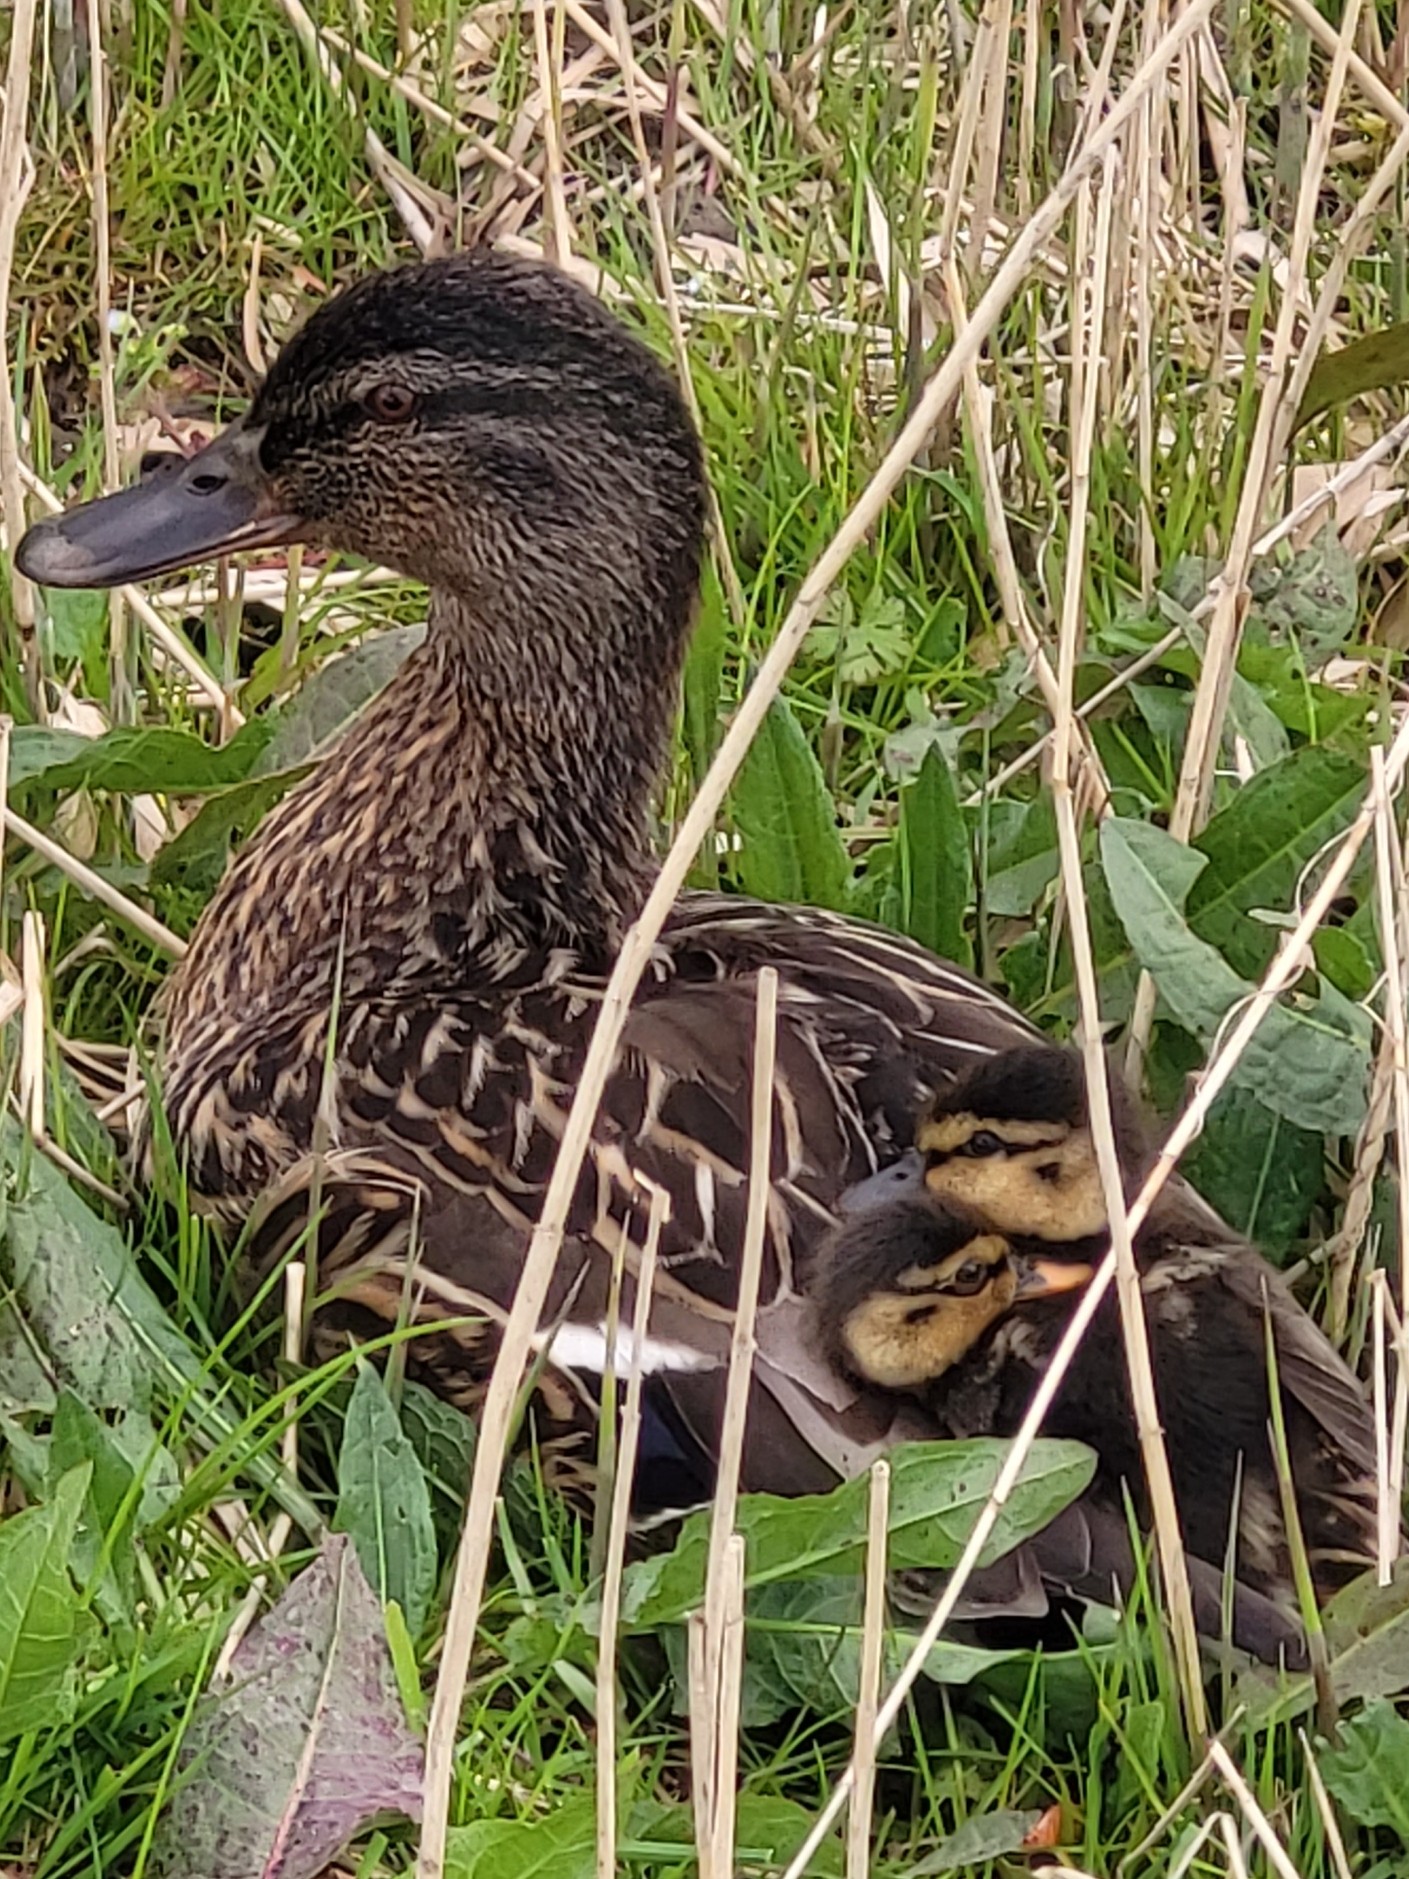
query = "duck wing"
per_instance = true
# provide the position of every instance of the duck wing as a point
(1310, 1369)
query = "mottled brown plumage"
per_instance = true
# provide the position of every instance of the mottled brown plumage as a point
(454, 881)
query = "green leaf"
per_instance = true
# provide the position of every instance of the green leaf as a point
(1314, 598)
(979, 1839)
(1258, 847)
(934, 862)
(197, 856)
(1260, 1171)
(78, 624)
(561, 1845)
(1022, 856)
(1378, 360)
(804, 1641)
(791, 848)
(39, 1628)
(1308, 1058)
(80, 1436)
(384, 1503)
(937, 1491)
(157, 758)
(704, 678)
(1369, 1772)
(768, 1830)
(331, 697)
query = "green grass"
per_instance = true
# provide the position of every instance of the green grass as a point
(906, 701)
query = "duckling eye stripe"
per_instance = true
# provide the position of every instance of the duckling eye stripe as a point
(946, 1135)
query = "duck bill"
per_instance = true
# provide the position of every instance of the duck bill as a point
(214, 503)
(1044, 1278)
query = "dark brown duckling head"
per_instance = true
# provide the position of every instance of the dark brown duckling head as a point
(904, 1293)
(1011, 1141)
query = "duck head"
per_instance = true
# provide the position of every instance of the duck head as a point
(478, 422)
(1012, 1142)
(906, 1292)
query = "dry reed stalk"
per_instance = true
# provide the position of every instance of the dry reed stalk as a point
(858, 1826)
(31, 1079)
(93, 884)
(1087, 336)
(652, 89)
(404, 87)
(1329, 38)
(715, 1777)
(1225, 627)
(559, 242)
(1252, 1813)
(942, 386)
(623, 52)
(121, 690)
(1386, 1511)
(16, 180)
(295, 1300)
(988, 149)
(1335, 1845)
(618, 1524)
(389, 173)
(1389, 875)
(1344, 1244)
(965, 131)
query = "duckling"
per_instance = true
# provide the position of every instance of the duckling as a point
(1012, 1143)
(386, 1005)
(918, 1298)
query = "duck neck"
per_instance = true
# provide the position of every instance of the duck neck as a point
(492, 808)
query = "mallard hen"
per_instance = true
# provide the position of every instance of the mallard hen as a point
(451, 886)
(1011, 1143)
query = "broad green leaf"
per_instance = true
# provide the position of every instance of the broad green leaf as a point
(384, 1503)
(804, 1640)
(39, 1617)
(78, 624)
(197, 856)
(768, 1831)
(560, 1845)
(791, 849)
(303, 1747)
(1260, 1171)
(331, 697)
(981, 1838)
(1259, 845)
(1308, 1058)
(157, 758)
(1367, 1638)
(934, 862)
(103, 1332)
(80, 1436)
(1314, 597)
(1022, 856)
(1368, 1772)
(937, 1490)
(1373, 363)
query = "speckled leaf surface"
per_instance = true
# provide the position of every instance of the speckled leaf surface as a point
(303, 1746)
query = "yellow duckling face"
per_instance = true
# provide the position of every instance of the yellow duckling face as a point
(1012, 1142)
(1035, 1178)
(911, 1289)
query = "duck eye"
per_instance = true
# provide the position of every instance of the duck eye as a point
(983, 1142)
(971, 1277)
(391, 404)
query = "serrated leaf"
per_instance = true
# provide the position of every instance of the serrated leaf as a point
(197, 856)
(331, 697)
(1258, 846)
(982, 1838)
(384, 1503)
(1307, 1060)
(1368, 1772)
(934, 862)
(791, 848)
(804, 1639)
(937, 1490)
(157, 758)
(304, 1747)
(39, 1618)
